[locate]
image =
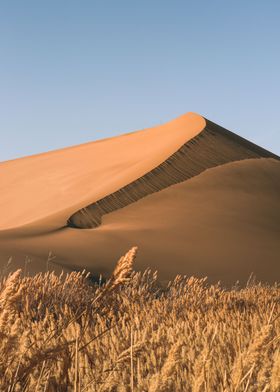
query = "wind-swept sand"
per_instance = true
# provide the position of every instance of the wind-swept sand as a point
(196, 198)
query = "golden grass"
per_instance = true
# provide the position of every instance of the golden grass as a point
(63, 333)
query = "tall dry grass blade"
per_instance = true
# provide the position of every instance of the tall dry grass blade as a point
(131, 361)
(40, 376)
(76, 364)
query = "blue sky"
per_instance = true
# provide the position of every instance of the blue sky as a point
(76, 71)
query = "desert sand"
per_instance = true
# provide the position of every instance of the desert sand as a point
(197, 200)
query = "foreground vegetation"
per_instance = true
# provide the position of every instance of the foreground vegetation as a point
(63, 333)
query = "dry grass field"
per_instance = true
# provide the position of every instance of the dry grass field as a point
(65, 333)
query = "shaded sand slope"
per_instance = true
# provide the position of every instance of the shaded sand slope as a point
(223, 223)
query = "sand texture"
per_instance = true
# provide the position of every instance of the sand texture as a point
(197, 199)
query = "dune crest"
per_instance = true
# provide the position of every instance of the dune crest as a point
(213, 146)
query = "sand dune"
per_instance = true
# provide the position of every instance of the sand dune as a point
(196, 198)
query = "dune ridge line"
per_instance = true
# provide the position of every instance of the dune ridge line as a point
(212, 147)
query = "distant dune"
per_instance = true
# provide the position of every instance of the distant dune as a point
(197, 200)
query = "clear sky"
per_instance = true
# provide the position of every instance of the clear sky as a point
(76, 71)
